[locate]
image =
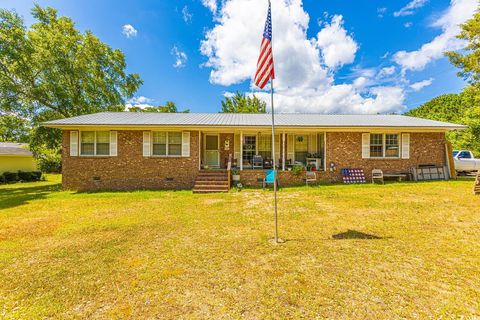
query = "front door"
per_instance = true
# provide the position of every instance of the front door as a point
(212, 154)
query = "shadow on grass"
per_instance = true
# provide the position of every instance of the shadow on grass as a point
(353, 234)
(12, 197)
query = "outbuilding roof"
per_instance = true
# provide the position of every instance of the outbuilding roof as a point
(248, 120)
(14, 149)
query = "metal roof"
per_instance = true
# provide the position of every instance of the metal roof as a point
(247, 120)
(15, 149)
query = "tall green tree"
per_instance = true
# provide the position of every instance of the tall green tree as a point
(468, 59)
(169, 107)
(455, 108)
(242, 103)
(51, 70)
(14, 129)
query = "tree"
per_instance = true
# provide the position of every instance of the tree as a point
(52, 70)
(241, 103)
(468, 59)
(14, 129)
(455, 108)
(169, 107)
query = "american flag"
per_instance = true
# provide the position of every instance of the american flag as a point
(265, 70)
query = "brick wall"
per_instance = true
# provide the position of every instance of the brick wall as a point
(130, 169)
(344, 149)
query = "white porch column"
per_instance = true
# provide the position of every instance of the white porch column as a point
(325, 151)
(199, 150)
(241, 150)
(283, 151)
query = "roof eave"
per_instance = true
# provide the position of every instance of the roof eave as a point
(203, 126)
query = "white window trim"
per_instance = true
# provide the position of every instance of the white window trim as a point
(94, 144)
(384, 146)
(166, 146)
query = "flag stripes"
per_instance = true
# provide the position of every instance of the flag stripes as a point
(265, 68)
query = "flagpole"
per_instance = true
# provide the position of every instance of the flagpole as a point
(274, 165)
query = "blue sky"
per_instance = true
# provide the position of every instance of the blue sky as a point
(330, 56)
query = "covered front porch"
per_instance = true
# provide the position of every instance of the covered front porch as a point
(252, 150)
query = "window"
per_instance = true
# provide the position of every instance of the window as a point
(376, 145)
(384, 145)
(249, 149)
(95, 143)
(103, 143)
(265, 146)
(167, 144)
(392, 147)
(464, 155)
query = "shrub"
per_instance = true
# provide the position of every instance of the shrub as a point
(50, 161)
(36, 175)
(10, 177)
(297, 170)
(24, 176)
(29, 176)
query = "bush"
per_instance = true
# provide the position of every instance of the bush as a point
(29, 176)
(24, 176)
(10, 177)
(36, 175)
(50, 161)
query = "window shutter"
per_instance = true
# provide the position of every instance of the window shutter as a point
(146, 143)
(365, 145)
(236, 147)
(405, 145)
(291, 147)
(186, 144)
(73, 143)
(113, 143)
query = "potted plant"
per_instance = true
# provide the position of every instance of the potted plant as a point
(235, 174)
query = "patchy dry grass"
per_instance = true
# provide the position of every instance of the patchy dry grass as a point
(396, 251)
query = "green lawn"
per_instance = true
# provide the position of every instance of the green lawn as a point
(403, 250)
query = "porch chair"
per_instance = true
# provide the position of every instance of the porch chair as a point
(270, 177)
(257, 162)
(377, 174)
(310, 176)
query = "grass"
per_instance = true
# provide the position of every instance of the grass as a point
(403, 250)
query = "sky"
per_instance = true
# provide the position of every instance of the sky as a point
(342, 56)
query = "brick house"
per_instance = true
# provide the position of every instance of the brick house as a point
(128, 150)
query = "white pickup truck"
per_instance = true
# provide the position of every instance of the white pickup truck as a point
(465, 161)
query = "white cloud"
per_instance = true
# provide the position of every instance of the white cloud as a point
(458, 12)
(387, 71)
(180, 57)
(211, 5)
(410, 8)
(187, 16)
(381, 12)
(139, 102)
(337, 47)
(408, 24)
(305, 67)
(417, 86)
(129, 31)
